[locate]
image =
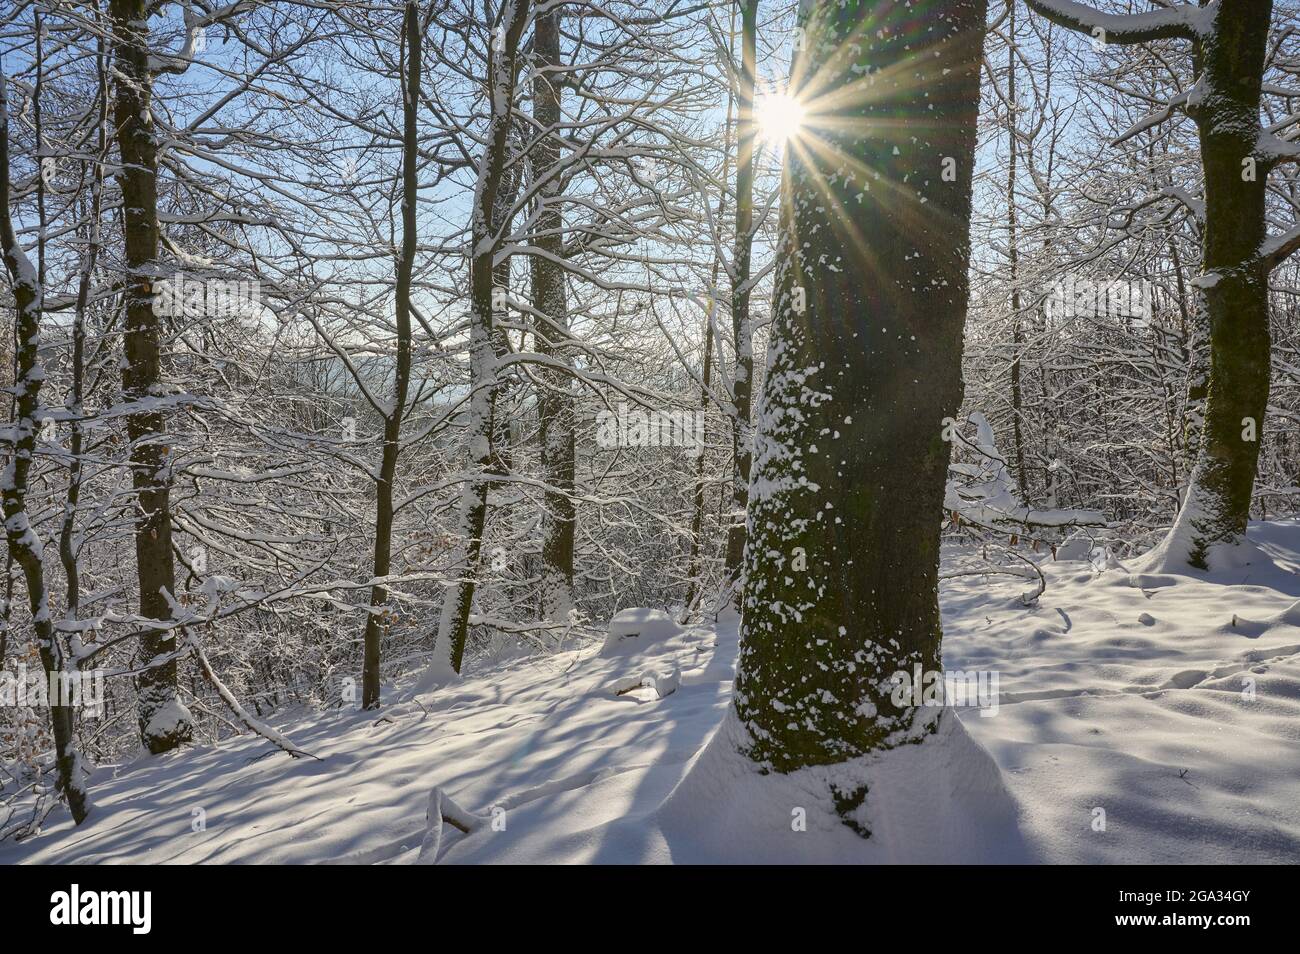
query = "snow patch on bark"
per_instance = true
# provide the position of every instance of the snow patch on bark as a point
(169, 719)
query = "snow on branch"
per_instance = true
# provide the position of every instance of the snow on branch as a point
(195, 25)
(1178, 22)
(1192, 204)
(1154, 118)
(982, 492)
(1274, 149)
(1279, 248)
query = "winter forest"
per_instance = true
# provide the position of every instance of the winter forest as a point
(688, 431)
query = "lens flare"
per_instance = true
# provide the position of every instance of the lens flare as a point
(779, 117)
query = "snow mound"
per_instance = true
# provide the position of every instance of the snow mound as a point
(632, 630)
(663, 683)
(942, 801)
(1078, 547)
(1227, 563)
(437, 674)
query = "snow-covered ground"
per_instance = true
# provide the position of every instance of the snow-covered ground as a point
(1172, 703)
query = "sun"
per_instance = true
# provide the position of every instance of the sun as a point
(779, 117)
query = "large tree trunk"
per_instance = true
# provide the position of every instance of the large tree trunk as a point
(453, 626)
(741, 326)
(377, 618)
(850, 460)
(554, 403)
(25, 546)
(164, 721)
(1234, 283)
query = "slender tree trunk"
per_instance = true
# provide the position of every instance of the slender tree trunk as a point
(164, 721)
(507, 382)
(554, 402)
(1013, 254)
(25, 546)
(76, 398)
(505, 563)
(741, 326)
(1194, 333)
(7, 604)
(697, 508)
(453, 626)
(378, 618)
(694, 586)
(850, 460)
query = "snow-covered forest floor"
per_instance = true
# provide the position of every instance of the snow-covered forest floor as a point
(1119, 691)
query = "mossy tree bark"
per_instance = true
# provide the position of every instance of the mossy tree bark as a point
(850, 461)
(1229, 45)
(1234, 283)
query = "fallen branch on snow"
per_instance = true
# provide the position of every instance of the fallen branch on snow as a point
(443, 809)
(260, 728)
